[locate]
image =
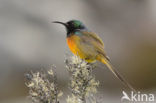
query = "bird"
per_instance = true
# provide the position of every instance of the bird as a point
(88, 46)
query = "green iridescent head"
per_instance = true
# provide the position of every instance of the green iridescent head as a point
(76, 24)
(72, 26)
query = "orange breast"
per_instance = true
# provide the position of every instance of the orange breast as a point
(78, 49)
(72, 43)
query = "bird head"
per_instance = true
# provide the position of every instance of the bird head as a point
(72, 26)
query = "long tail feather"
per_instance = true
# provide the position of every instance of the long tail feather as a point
(116, 73)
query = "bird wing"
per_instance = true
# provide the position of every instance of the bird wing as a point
(94, 42)
(94, 37)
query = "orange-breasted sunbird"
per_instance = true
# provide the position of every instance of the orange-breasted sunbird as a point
(88, 46)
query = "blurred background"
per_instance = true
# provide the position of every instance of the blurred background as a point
(28, 40)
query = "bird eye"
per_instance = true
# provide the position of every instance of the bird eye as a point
(72, 24)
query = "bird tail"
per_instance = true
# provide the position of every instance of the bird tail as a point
(116, 73)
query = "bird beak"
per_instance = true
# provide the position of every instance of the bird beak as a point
(66, 25)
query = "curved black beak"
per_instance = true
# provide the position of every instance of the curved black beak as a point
(66, 25)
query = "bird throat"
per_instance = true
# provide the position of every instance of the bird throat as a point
(74, 32)
(70, 32)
